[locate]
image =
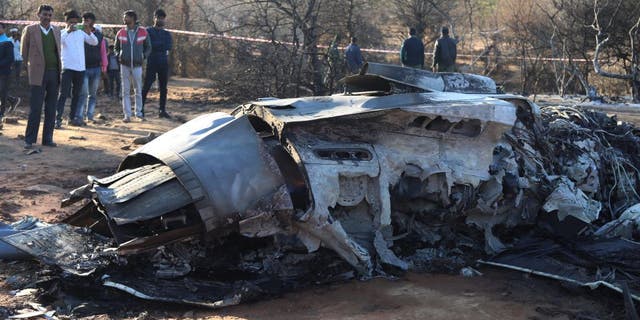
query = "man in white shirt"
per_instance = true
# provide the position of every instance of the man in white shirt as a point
(17, 63)
(72, 38)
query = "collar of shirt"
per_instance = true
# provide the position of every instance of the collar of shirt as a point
(45, 31)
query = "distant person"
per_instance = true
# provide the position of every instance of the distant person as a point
(95, 57)
(132, 46)
(444, 53)
(17, 63)
(158, 63)
(412, 51)
(40, 49)
(6, 63)
(334, 62)
(73, 37)
(353, 57)
(113, 72)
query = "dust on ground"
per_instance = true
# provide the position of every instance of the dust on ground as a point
(34, 184)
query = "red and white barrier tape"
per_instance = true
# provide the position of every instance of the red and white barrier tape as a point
(262, 40)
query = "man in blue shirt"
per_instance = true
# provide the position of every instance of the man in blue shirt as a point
(353, 57)
(158, 64)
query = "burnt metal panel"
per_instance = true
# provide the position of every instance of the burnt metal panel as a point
(228, 160)
(75, 250)
(134, 184)
(431, 81)
(153, 203)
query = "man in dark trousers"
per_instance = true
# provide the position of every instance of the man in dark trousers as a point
(444, 54)
(40, 50)
(158, 64)
(412, 51)
(6, 62)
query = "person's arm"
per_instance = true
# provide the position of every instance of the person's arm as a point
(116, 46)
(421, 55)
(103, 55)
(403, 53)
(24, 45)
(147, 47)
(169, 42)
(90, 38)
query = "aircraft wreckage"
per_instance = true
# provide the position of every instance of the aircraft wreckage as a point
(406, 170)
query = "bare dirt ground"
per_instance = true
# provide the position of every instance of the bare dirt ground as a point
(34, 184)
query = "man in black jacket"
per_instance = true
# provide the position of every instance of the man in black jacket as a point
(6, 62)
(444, 54)
(412, 51)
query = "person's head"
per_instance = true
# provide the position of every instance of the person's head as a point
(412, 31)
(2, 27)
(13, 32)
(45, 12)
(71, 17)
(159, 17)
(130, 17)
(444, 31)
(111, 48)
(354, 39)
(89, 19)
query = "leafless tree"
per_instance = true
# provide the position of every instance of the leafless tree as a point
(630, 58)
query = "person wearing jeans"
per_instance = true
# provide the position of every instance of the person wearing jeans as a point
(73, 38)
(158, 64)
(132, 47)
(96, 64)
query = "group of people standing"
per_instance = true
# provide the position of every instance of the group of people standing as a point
(444, 52)
(69, 63)
(411, 54)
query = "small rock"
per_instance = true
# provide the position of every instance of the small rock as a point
(125, 148)
(77, 138)
(100, 116)
(20, 137)
(145, 140)
(469, 272)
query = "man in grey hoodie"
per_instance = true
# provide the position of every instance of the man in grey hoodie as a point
(132, 46)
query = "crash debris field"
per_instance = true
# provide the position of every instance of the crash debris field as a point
(407, 172)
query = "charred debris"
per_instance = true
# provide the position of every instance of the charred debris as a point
(407, 170)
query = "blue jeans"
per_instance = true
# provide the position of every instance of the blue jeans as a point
(69, 78)
(131, 76)
(90, 90)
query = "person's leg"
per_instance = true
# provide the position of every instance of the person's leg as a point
(137, 82)
(35, 111)
(125, 72)
(149, 78)
(4, 93)
(82, 100)
(118, 84)
(163, 77)
(65, 90)
(78, 80)
(17, 69)
(51, 89)
(112, 74)
(94, 82)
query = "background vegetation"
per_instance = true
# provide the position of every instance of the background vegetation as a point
(528, 46)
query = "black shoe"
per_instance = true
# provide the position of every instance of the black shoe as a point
(164, 114)
(50, 144)
(28, 146)
(58, 125)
